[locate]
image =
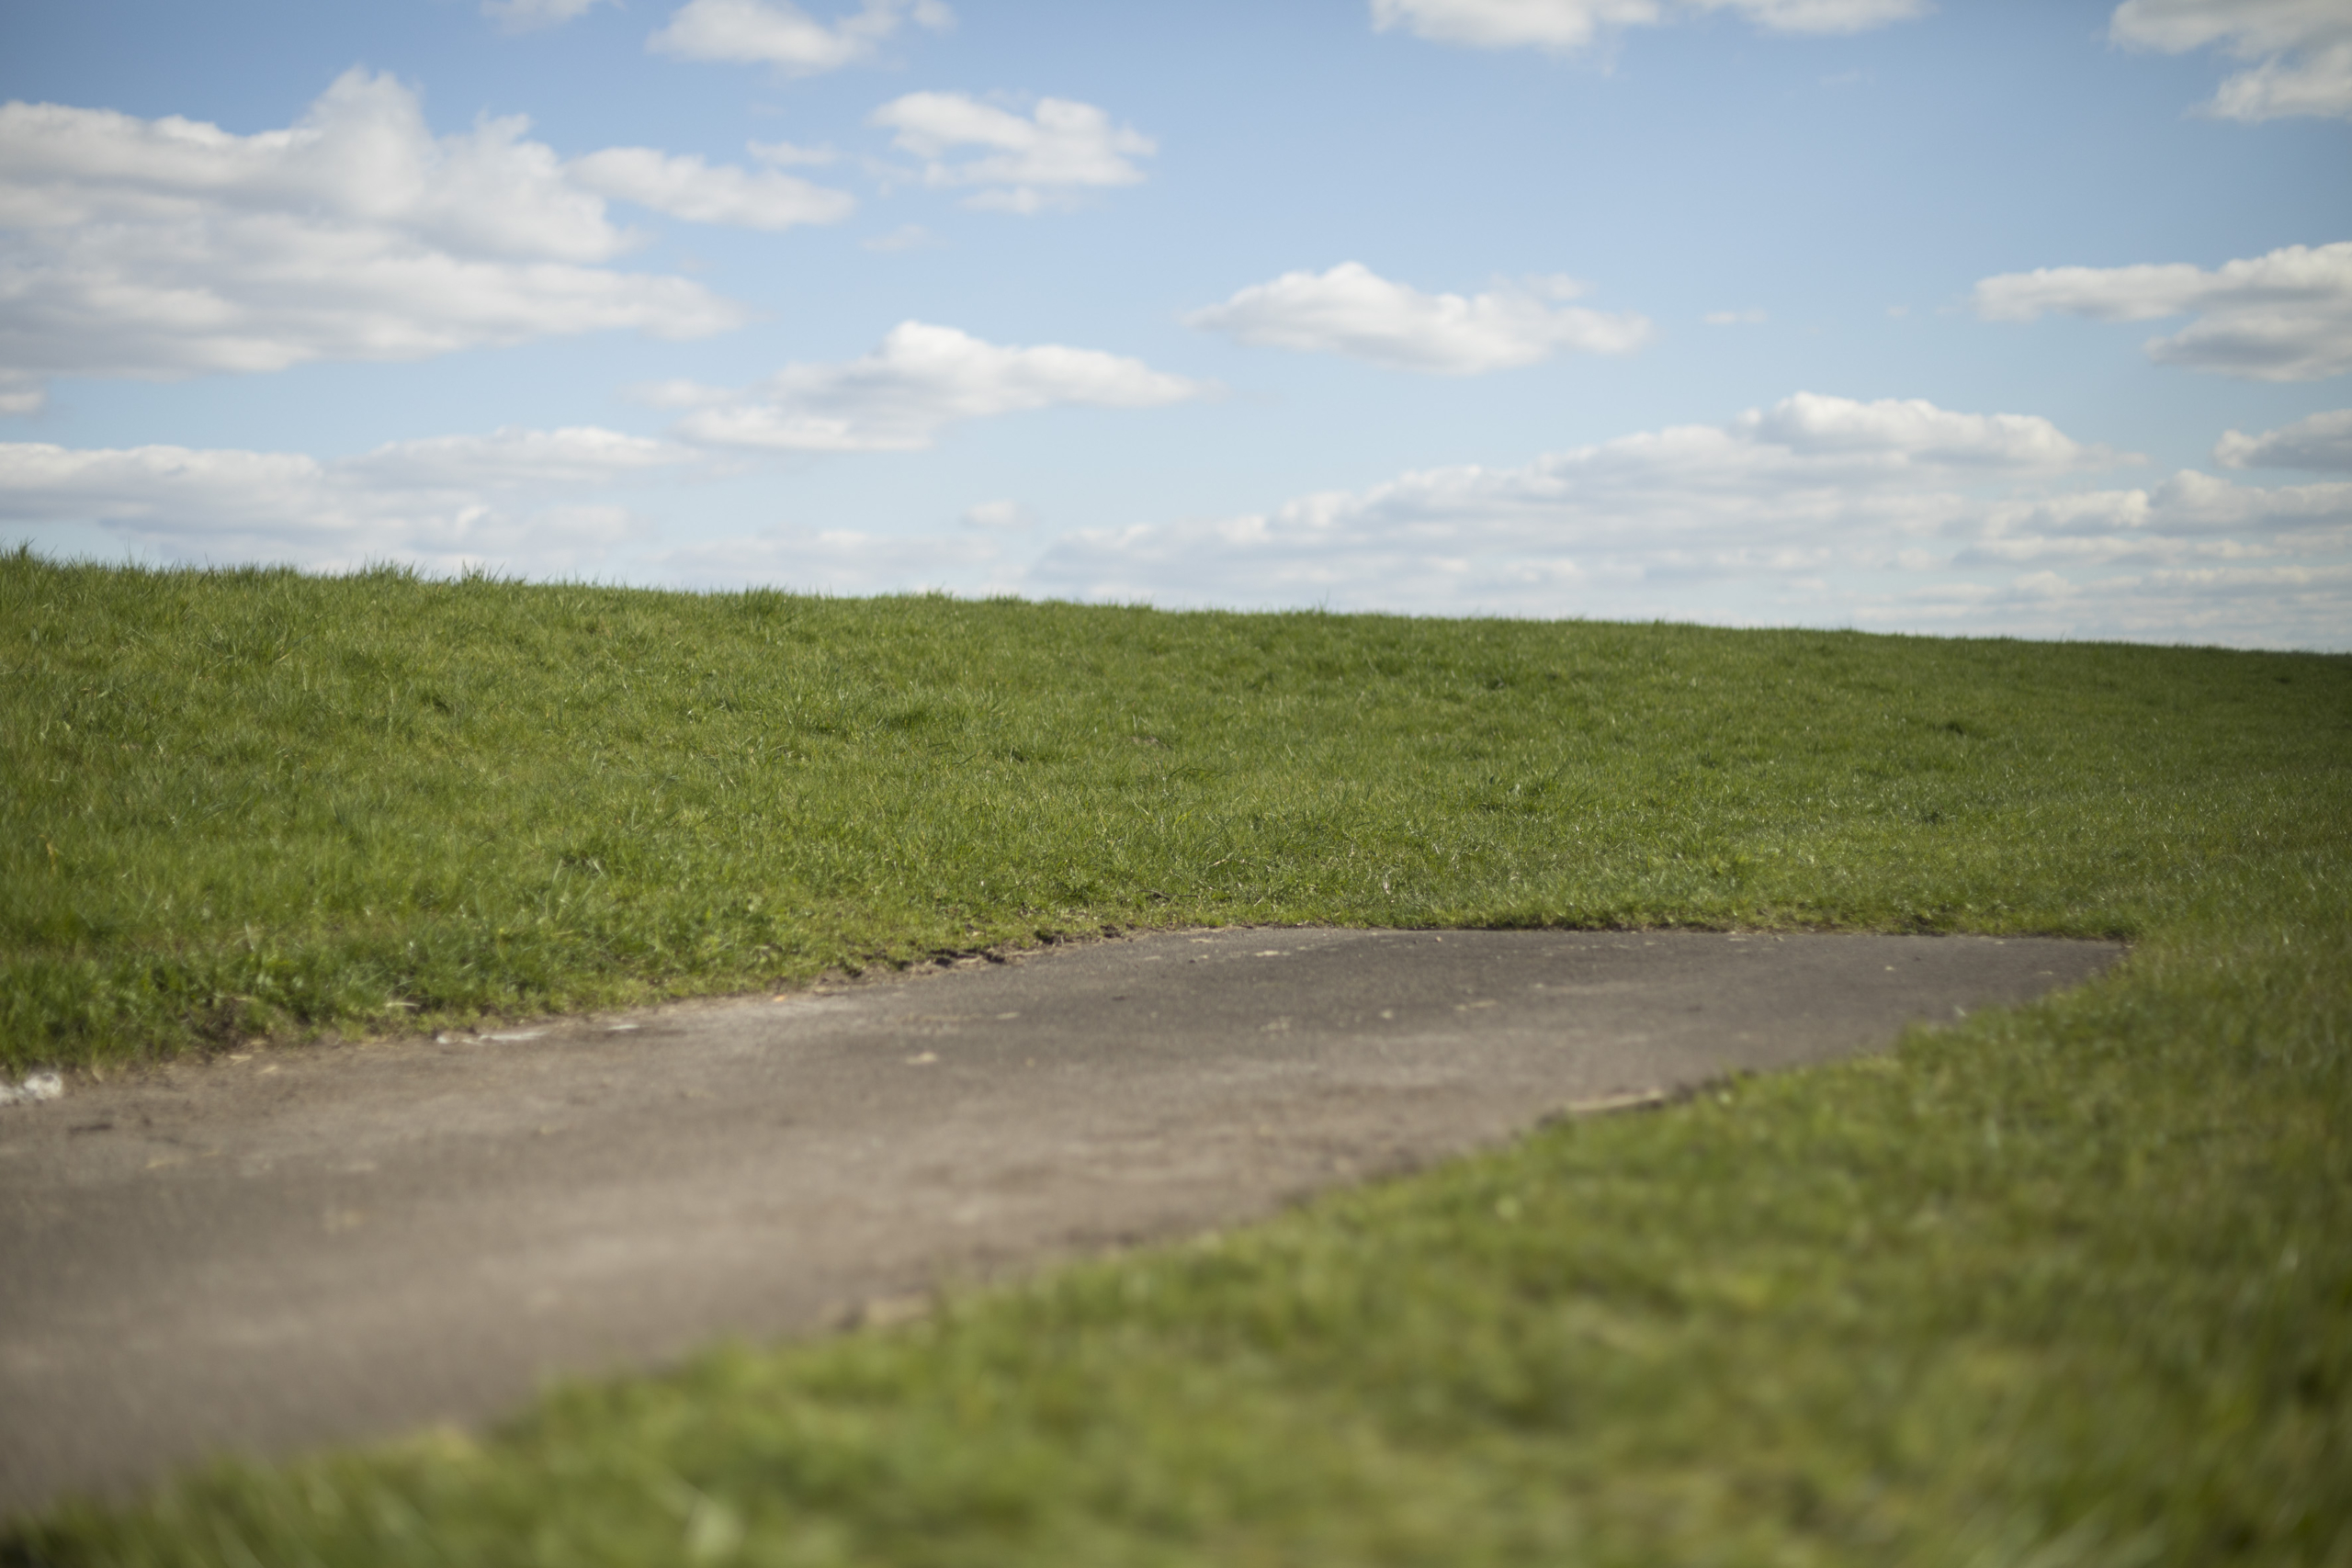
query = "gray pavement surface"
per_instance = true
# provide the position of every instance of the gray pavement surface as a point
(342, 1243)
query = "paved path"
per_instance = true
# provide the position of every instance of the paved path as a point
(336, 1244)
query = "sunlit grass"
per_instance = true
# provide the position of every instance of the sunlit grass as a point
(2067, 1284)
(243, 802)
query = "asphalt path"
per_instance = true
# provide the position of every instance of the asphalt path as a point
(307, 1246)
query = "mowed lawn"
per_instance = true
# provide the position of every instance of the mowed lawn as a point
(2069, 1285)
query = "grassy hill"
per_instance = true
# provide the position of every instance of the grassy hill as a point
(248, 802)
(2067, 1285)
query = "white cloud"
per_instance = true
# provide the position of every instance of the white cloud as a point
(1626, 526)
(1909, 434)
(2286, 316)
(528, 16)
(1506, 24)
(1002, 515)
(685, 187)
(2322, 442)
(1819, 15)
(905, 237)
(1894, 514)
(1817, 510)
(169, 248)
(1024, 164)
(2188, 516)
(1565, 26)
(778, 33)
(579, 455)
(2292, 606)
(2302, 50)
(922, 378)
(517, 497)
(1352, 311)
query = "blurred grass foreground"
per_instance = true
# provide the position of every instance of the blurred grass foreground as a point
(2067, 1284)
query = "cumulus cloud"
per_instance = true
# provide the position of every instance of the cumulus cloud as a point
(2286, 316)
(516, 497)
(1021, 163)
(529, 16)
(1816, 510)
(685, 187)
(1799, 487)
(1818, 16)
(2186, 560)
(1565, 26)
(169, 247)
(1506, 24)
(778, 33)
(922, 379)
(2184, 518)
(2322, 442)
(514, 458)
(1352, 311)
(1911, 433)
(1894, 514)
(2301, 50)
(2295, 605)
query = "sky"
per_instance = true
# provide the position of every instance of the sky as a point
(1986, 318)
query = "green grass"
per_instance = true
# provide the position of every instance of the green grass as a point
(2068, 1284)
(251, 802)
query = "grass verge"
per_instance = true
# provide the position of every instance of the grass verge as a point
(2067, 1284)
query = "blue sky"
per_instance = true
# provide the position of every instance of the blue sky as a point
(1986, 318)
